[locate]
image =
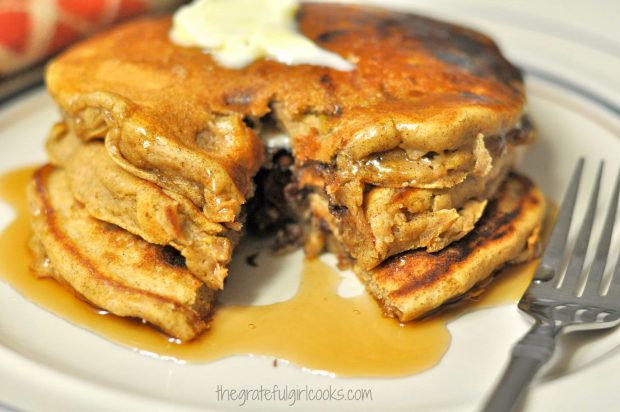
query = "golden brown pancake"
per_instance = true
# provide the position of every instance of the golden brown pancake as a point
(414, 283)
(111, 268)
(157, 215)
(429, 106)
(393, 220)
(418, 84)
(398, 157)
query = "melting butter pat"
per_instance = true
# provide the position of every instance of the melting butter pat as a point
(238, 32)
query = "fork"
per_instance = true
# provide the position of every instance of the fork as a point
(574, 302)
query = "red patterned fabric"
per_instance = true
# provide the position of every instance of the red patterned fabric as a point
(31, 30)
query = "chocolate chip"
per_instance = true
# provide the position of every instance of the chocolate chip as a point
(172, 256)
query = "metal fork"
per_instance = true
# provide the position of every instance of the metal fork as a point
(573, 302)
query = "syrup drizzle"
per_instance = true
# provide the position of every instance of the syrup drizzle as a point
(316, 329)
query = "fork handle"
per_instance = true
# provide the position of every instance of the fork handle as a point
(528, 355)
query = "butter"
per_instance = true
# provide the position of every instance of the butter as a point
(238, 32)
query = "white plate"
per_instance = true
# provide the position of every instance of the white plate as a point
(49, 364)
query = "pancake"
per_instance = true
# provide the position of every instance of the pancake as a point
(157, 215)
(393, 220)
(399, 165)
(414, 283)
(441, 85)
(429, 106)
(111, 268)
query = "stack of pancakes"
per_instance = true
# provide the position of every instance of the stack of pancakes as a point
(401, 166)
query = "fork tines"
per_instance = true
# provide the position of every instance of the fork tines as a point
(550, 268)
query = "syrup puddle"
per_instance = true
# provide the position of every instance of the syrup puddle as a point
(316, 329)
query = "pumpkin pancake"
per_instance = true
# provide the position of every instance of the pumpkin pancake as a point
(429, 106)
(111, 268)
(400, 165)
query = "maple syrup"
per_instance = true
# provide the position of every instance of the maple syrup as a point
(316, 329)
